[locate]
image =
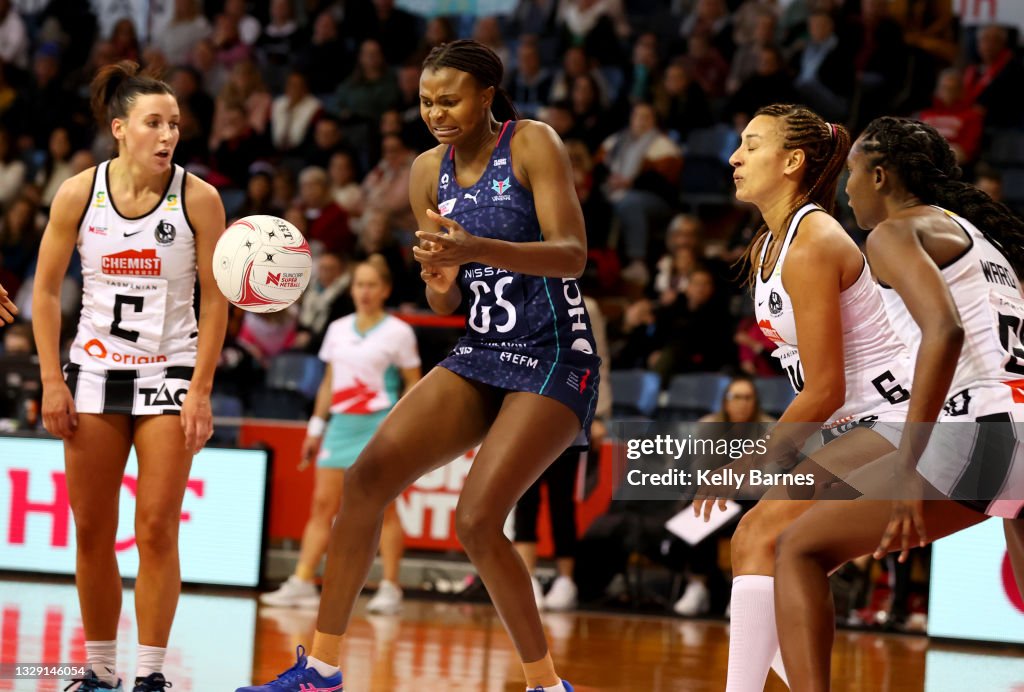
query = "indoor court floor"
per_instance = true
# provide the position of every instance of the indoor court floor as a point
(223, 639)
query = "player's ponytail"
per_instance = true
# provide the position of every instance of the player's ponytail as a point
(480, 61)
(115, 88)
(926, 166)
(825, 146)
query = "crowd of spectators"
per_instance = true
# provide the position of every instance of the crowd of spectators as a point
(309, 110)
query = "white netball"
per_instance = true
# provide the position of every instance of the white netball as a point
(262, 263)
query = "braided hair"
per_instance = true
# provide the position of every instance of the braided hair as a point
(926, 165)
(825, 146)
(480, 61)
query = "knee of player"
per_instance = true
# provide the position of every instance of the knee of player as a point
(476, 525)
(753, 533)
(156, 531)
(368, 485)
(95, 531)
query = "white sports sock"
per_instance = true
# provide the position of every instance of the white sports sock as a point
(326, 670)
(554, 688)
(753, 640)
(151, 660)
(103, 660)
(778, 667)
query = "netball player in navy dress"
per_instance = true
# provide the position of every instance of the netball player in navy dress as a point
(501, 228)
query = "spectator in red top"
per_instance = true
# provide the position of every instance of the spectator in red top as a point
(328, 223)
(955, 117)
(994, 81)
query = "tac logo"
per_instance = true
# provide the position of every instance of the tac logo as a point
(501, 162)
(499, 187)
(172, 203)
(101, 200)
(165, 233)
(98, 230)
(163, 396)
(775, 304)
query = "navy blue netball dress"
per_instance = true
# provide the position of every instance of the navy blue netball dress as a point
(525, 333)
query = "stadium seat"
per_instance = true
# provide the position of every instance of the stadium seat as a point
(775, 393)
(1007, 148)
(281, 404)
(692, 395)
(634, 392)
(706, 171)
(234, 201)
(297, 372)
(225, 406)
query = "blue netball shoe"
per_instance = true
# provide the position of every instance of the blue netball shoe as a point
(565, 684)
(299, 678)
(90, 683)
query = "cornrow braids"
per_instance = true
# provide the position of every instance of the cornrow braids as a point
(927, 167)
(480, 61)
(825, 146)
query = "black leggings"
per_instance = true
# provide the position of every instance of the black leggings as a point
(560, 478)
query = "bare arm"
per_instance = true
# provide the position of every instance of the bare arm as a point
(410, 376)
(812, 276)
(207, 214)
(58, 243)
(322, 407)
(443, 292)
(898, 259)
(563, 250)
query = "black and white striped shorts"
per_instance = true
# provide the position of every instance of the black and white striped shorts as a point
(128, 392)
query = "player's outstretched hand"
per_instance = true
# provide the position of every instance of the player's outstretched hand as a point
(8, 310)
(452, 248)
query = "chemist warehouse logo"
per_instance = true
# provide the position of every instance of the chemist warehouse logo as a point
(500, 187)
(132, 263)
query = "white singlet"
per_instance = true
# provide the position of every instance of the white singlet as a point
(135, 348)
(365, 367)
(980, 465)
(876, 360)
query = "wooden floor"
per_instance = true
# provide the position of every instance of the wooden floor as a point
(222, 640)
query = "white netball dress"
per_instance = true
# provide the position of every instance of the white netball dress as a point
(877, 365)
(975, 453)
(135, 348)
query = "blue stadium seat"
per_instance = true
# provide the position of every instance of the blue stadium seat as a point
(692, 395)
(775, 393)
(234, 200)
(298, 372)
(282, 404)
(634, 392)
(225, 406)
